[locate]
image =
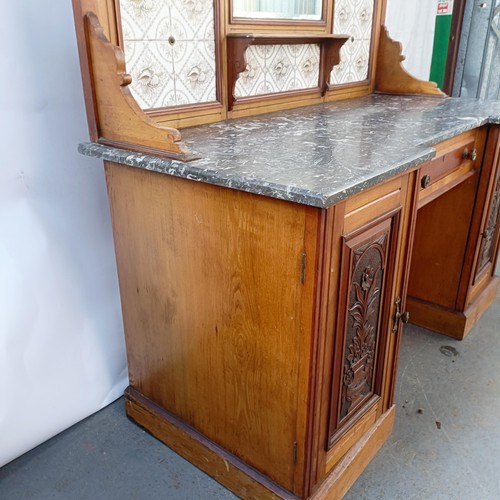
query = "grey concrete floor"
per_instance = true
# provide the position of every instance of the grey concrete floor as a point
(446, 441)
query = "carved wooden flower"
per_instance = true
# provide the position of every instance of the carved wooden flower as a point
(367, 278)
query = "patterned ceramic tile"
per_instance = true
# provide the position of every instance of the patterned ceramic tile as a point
(141, 18)
(307, 66)
(252, 78)
(279, 68)
(355, 18)
(354, 63)
(151, 73)
(180, 51)
(195, 75)
(192, 19)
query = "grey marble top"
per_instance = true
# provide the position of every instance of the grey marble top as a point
(317, 155)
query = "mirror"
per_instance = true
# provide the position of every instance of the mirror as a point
(309, 10)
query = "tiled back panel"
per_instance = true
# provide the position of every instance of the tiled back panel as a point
(170, 73)
(183, 71)
(278, 68)
(353, 17)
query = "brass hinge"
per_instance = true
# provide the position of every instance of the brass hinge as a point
(294, 452)
(303, 268)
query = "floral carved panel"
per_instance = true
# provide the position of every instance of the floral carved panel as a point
(170, 52)
(487, 249)
(362, 325)
(361, 332)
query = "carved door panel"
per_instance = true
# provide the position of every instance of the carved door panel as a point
(489, 231)
(367, 268)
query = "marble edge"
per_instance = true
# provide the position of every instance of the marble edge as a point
(192, 172)
(282, 192)
(465, 123)
(407, 163)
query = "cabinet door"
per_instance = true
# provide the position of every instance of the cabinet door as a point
(487, 244)
(363, 322)
(366, 267)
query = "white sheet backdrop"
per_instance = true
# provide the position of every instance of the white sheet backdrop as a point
(62, 355)
(413, 23)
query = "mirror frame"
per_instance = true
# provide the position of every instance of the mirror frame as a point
(252, 20)
(322, 25)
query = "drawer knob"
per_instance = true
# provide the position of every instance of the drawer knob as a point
(470, 155)
(426, 180)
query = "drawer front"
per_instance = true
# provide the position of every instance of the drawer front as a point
(456, 159)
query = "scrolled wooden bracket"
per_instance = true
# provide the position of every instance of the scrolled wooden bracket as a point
(330, 57)
(392, 77)
(119, 120)
(236, 50)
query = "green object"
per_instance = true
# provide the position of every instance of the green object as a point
(440, 49)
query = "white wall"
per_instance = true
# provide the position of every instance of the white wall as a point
(412, 22)
(61, 343)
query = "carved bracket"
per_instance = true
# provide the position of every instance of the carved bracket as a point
(119, 120)
(392, 77)
(237, 44)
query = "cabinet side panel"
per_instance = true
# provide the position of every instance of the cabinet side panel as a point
(211, 285)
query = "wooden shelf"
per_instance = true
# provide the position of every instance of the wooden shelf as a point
(237, 44)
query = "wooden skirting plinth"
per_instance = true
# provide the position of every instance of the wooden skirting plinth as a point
(345, 473)
(223, 466)
(232, 472)
(456, 324)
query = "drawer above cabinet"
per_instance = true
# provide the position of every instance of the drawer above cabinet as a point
(456, 160)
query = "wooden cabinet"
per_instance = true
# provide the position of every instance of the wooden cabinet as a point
(262, 335)
(456, 240)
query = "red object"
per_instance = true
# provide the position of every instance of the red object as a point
(443, 8)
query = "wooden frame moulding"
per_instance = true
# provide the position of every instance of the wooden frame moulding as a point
(294, 26)
(114, 117)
